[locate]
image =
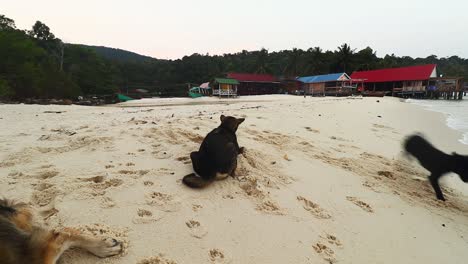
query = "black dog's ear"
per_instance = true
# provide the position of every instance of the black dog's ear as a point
(222, 117)
(240, 120)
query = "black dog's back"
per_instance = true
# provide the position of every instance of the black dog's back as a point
(428, 156)
(217, 154)
(219, 148)
(435, 161)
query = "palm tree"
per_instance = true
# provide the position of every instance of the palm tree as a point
(261, 65)
(315, 60)
(344, 55)
(293, 64)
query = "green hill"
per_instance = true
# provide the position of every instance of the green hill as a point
(119, 54)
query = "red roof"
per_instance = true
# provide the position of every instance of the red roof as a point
(412, 73)
(252, 77)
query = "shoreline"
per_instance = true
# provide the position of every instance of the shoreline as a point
(322, 179)
(432, 108)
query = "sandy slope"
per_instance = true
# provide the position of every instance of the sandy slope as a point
(323, 180)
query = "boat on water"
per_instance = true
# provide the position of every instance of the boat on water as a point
(124, 98)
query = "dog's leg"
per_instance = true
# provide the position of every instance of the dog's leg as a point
(233, 170)
(434, 179)
(59, 242)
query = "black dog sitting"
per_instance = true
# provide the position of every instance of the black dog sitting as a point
(436, 162)
(217, 155)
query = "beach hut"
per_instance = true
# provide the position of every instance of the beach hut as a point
(200, 91)
(335, 84)
(255, 84)
(225, 87)
(412, 80)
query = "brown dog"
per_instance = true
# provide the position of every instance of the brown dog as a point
(23, 242)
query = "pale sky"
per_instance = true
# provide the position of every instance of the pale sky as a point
(174, 28)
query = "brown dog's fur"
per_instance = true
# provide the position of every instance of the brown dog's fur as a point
(23, 242)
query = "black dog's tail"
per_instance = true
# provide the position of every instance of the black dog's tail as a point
(193, 181)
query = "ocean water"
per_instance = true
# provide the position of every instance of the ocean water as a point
(455, 111)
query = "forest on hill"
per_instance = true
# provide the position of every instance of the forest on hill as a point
(36, 64)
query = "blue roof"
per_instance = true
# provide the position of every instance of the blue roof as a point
(323, 78)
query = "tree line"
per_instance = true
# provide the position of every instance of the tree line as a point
(36, 64)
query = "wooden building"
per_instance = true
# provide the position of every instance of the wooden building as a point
(335, 84)
(413, 81)
(255, 84)
(225, 87)
(397, 81)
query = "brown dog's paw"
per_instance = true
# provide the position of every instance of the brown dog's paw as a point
(106, 248)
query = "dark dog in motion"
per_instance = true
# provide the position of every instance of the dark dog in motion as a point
(23, 242)
(436, 162)
(217, 156)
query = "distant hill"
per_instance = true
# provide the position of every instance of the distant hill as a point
(119, 54)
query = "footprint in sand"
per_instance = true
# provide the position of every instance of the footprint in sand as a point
(312, 130)
(134, 174)
(44, 196)
(314, 208)
(325, 252)
(43, 186)
(107, 202)
(48, 174)
(148, 183)
(387, 174)
(338, 138)
(196, 207)
(156, 260)
(228, 196)
(372, 185)
(185, 160)
(16, 175)
(145, 217)
(196, 229)
(218, 256)
(366, 207)
(333, 240)
(95, 179)
(98, 186)
(269, 207)
(47, 166)
(164, 202)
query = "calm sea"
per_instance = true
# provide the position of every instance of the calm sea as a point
(456, 112)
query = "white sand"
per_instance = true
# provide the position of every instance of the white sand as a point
(323, 180)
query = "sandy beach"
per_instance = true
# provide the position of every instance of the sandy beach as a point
(323, 180)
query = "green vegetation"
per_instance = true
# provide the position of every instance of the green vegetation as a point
(36, 64)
